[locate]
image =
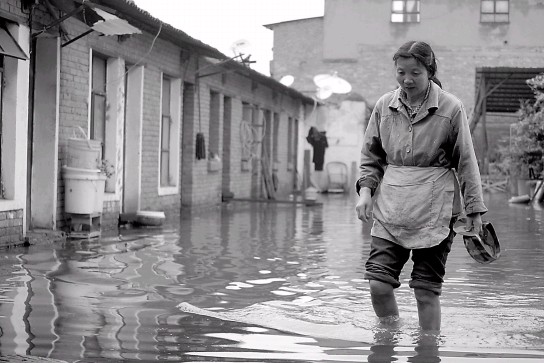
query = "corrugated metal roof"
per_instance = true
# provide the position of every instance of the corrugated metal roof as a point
(113, 25)
(143, 20)
(510, 87)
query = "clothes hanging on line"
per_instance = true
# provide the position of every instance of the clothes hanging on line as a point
(200, 146)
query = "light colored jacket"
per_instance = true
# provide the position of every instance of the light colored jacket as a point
(438, 136)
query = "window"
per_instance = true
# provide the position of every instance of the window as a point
(169, 148)
(265, 118)
(405, 11)
(98, 99)
(246, 131)
(275, 139)
(107, 88)
(290, 143)
(166, 123)
(494, 11)
(215, 125)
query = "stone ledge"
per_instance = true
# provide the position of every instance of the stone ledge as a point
(44, 236)
(28, 359)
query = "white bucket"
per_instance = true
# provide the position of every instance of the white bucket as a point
(84, 153)
(310, 195)
(83, 190)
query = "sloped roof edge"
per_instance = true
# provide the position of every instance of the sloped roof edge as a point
(272, 25)
(142, 19)
(129, 11)
(275, 85)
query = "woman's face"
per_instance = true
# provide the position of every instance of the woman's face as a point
(412, 76)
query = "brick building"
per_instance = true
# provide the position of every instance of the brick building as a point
(478, 44)
(144, 89)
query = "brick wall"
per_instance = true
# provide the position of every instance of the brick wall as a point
(11, 227)
(11, 9)
(370, 72)
(188, 142)
(74, 105)
(202, 187)
(198, 185)
(110, 216)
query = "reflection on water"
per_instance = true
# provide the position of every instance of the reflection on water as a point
(262, 281)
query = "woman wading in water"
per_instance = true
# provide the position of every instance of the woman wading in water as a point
(417, 158)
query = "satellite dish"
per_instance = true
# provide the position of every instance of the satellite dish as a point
(287, 80)
(323, 93)
(332, 82)
(241, 47)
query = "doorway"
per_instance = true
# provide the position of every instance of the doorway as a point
(227, 137)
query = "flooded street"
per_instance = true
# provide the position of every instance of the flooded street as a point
(278, 282)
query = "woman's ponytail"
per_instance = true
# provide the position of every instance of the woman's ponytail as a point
(436, 80)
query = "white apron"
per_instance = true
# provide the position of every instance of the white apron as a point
(414, 205)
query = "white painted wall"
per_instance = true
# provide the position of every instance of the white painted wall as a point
(15, 125)
(43, 196)
(115, 117)
(133, 140)
(345, 125)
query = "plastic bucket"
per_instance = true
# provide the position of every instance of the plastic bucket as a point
(82, 189)
(84, 153)
(310, 195)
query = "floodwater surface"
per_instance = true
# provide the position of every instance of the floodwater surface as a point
(276, 282)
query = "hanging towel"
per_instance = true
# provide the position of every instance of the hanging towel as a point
(200, 146)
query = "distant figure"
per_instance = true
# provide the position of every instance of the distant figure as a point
(318, 140)
(417, 137)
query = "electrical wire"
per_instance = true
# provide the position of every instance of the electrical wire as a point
(121, 77)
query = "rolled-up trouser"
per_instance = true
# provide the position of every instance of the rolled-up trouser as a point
(387, 259)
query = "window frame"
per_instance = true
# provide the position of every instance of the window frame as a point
(112, 145)
(276, 121)
(247, 121)
(214, 126)
(405, 13)
(175, 105)
(15, 93)
(494, 14)
(290, 142)
(102, 94)
(165, 177)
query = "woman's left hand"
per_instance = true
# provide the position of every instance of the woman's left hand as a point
(474, 223)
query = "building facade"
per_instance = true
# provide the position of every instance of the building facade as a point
(179, 124)
(471, 39)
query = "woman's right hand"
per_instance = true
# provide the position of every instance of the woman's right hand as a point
(364, 205)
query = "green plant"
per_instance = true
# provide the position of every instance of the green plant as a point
(522, 153)
(106, 168)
